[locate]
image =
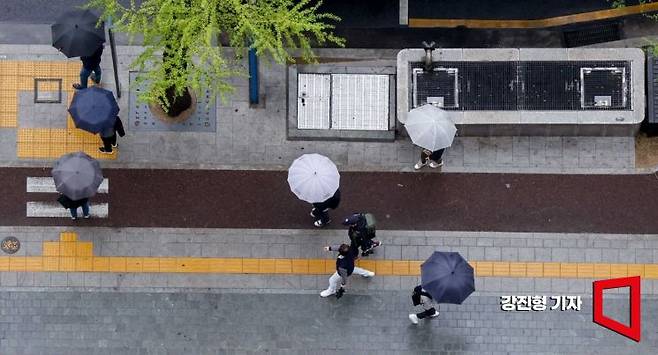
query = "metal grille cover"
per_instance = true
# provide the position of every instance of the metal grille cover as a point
(359, 102)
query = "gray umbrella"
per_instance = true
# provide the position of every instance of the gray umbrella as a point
(447, 277)
(77, 175)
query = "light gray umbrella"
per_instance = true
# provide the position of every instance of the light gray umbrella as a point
(77, 175)
(429, 127)
(313, 178)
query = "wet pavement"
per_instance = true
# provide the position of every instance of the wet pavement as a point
(402, 201)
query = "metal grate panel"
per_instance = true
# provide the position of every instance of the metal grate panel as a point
(359, 102)
(652, 88)
(313, 100)
(527, 85)
(603, 87)
(440, 86)
(592, 33)
(204, 119)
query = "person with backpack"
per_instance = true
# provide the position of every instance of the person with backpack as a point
(347, 255)
(320, 210)
(420, 297)
(362, 231)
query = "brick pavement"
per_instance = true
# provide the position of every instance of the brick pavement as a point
(207, 323)
(255, 138)
(117, 312)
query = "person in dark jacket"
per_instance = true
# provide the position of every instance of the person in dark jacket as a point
(320, 210)
(109, 137)
(347, 254)
(91, 64)
(73, 205)
(420, 297)
(360, 235)
(428, 157)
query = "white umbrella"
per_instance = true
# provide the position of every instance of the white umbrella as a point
(429, 127)
(313, 178)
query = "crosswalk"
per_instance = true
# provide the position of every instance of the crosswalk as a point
(52, 208)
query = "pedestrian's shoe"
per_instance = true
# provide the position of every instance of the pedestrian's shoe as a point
(87, 216)
(327, 293)
(102, 150)
(74, 218)
(435, 165)
(77, 86)
(413, 318)
(93, 78)
(419, 165)
(369, 274)
(319, 223)
(436, 314)
(115, 145)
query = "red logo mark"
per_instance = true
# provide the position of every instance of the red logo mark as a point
(634, 330)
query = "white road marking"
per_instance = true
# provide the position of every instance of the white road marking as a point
(47, 184)
(55, 209)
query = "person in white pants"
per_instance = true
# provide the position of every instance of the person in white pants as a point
(424, 299)
(347, 254)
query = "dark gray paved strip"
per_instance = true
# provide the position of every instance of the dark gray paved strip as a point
(405, 201)
(161, 323)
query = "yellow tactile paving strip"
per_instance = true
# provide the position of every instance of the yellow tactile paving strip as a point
(538, 23)
(70, 255)
(43, 143)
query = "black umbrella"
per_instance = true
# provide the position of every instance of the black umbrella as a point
(94, 109)
(75, 33)
(447, 277)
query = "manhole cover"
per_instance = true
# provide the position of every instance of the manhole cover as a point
(141, 119)
(10, 245)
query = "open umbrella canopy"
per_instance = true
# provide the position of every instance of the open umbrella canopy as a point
(75, 33)
(429, 127)
(447, 277)
(94, 109)
(77, 175)
(313, 178)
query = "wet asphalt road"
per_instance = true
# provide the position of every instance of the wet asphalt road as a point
(404, 201)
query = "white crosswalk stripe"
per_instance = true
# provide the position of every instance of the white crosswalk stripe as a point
(47, 184)
(54, 208)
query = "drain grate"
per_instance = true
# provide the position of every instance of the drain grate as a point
(10, 245)
(591, 34)
(141, 119)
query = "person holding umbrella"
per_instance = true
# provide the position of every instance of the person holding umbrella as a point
(428, 157)
(314, 178)
(424, 299)
(91, 66)
(77, 177)
(320, 210)
(445, 278)
(430, 128)
(95, 110)
(76, 35)
(109, 136)
(74, 205)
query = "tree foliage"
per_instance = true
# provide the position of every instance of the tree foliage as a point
(179, 38)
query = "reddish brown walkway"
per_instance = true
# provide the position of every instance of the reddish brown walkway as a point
(261, 199)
